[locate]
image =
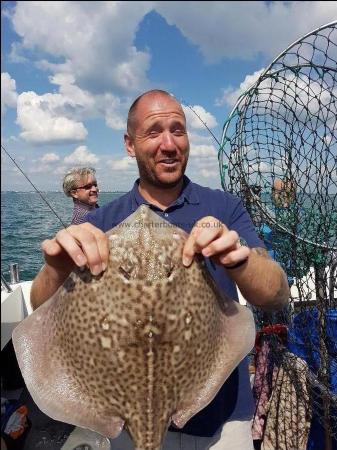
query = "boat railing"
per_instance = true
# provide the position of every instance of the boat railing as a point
(5, 285)
(14, 273)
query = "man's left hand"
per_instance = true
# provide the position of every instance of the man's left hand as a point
(212, 238)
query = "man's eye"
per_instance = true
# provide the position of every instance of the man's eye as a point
(179, 132)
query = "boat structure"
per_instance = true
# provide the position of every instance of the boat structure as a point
(15, 303)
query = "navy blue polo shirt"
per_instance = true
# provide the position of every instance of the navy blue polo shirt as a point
(234, 401)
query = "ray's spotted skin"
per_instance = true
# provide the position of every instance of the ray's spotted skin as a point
(147, 342)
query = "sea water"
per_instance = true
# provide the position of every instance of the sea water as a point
(26, 221)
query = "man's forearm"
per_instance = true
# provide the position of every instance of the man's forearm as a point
(262, 281)
(45, 284)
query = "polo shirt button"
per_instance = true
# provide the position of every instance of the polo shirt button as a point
(166, 215)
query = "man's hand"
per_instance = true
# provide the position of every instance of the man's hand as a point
(77, 245)
(213, 239)
(260, 279)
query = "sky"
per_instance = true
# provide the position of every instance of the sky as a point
(70, 71)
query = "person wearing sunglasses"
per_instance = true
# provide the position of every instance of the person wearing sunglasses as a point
(81, 184)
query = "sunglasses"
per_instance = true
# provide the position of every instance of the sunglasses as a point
(87, 187)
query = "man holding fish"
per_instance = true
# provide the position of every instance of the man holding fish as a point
(219, 229)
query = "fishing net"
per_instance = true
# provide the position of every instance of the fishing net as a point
(279, 154)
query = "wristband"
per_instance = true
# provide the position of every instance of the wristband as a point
(239, 264)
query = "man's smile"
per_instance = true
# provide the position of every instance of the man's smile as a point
(168, 161)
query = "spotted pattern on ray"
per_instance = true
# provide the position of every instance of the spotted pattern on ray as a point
(145, 343)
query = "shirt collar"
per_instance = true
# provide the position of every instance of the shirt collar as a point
(82, 205)
(189, 194)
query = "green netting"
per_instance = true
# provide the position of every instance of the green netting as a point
(279, 154)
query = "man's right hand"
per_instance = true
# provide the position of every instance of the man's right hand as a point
(77, 245)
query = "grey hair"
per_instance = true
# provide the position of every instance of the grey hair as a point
(74, 176)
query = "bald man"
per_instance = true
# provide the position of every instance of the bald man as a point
(156, 136)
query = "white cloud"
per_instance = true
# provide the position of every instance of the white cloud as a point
(9, 95)
(193, 121)
(16, 54)
(126, 164)
(76, 101)
(198, 139)
(208, 169)
(92, 40)
(83, 105)
(43, 119)
(89, 50)
(230, 95)
(43, 168)
(60, 170)
(206, 173)
(246, 29)
(306, 97)
(114, 110)
(10, 139)
(327, 139)
(81, 156)
(203, 151)
(203, 163)
(260, 167)
(49, 158)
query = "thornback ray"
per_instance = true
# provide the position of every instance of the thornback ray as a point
(144, 344)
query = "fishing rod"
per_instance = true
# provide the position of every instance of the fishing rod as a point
(36, 189)
(205, 125)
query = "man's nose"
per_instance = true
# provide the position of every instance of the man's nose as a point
(167, 142)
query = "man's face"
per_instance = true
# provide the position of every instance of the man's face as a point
(283, 193)
(159, 141)
(86, 191)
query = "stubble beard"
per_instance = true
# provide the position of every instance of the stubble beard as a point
(149, 177)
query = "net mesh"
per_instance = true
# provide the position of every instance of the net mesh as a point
(278, 153)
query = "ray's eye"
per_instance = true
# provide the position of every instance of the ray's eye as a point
(169, 271)
(124, 272)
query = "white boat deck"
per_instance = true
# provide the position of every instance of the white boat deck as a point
(15, 306)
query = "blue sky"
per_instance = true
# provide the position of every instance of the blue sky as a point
(70, 70)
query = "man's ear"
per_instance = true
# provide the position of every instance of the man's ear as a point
(74, 193)
(128, 142)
